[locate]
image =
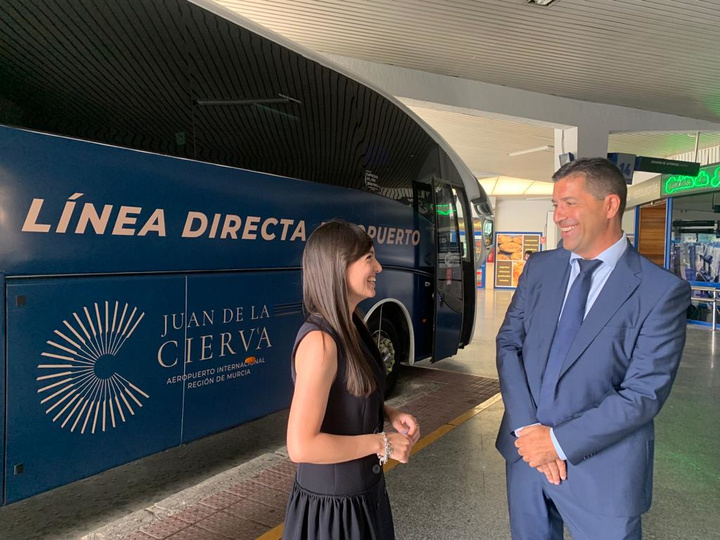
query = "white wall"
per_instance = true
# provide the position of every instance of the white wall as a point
(628, 221)
(532, 216)
(552, 231)
(521, 215)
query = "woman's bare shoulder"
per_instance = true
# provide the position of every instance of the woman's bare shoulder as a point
(317, 349)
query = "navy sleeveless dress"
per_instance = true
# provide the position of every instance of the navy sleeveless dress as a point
(343, 501)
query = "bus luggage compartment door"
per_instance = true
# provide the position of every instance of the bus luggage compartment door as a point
(105, 370)
(85, 391)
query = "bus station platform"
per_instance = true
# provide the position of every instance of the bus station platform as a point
(234, 485)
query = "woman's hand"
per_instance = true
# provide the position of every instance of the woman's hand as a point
(404, 423)
(400, 446)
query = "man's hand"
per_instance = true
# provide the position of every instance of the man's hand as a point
(555, 471)
(535, 446)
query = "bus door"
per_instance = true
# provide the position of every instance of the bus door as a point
(448, 274)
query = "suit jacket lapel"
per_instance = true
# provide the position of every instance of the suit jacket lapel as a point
(550, 303)
(620, 285)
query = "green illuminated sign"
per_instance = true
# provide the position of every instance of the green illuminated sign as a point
(706, 179)
(444, 209)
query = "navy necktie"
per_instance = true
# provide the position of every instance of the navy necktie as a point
(567, 328)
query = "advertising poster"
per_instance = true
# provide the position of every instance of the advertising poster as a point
(512, 250)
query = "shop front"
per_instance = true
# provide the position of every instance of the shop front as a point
(677, 226)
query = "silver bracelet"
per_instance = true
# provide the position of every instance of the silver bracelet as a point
(388, 450)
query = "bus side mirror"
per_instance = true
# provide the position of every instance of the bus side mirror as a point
(483, 208)
(488, 228)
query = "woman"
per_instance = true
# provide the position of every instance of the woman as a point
(335, 429)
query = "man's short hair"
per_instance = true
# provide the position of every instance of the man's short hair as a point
(602, 178)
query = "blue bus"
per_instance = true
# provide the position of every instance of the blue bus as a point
(161, 165)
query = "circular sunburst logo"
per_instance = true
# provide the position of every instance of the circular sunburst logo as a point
(81, 385)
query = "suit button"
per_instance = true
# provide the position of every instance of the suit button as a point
(376, 469)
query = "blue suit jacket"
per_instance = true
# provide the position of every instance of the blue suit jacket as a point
(616, 377)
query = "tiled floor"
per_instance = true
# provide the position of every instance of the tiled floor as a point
(455, 489)
(248, 509)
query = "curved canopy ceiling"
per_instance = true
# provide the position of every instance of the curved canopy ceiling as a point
(658, 55)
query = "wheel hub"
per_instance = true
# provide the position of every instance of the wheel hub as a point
(387, 350)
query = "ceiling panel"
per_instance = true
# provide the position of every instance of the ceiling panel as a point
(661, 144)
(484, 143)
(657, 55)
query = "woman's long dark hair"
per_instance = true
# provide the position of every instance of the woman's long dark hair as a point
(329, 251)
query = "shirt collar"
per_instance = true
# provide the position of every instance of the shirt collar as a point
(610, 256)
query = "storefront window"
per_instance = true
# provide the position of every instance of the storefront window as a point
(695, 246)
(695, 254)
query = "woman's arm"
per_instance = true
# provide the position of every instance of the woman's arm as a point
(315, 371)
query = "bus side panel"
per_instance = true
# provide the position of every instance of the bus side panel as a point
(77, 207)
(3, 376)
(241, 330)
(85, 388)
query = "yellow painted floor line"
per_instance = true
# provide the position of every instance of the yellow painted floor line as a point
(273, 534)
(276, 533)
(475, 410)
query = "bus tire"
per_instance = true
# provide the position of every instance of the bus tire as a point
(388, 341)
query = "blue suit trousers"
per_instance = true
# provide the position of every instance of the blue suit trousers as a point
(538, 510)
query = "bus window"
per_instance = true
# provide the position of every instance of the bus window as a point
(465, 226)
(472, 259)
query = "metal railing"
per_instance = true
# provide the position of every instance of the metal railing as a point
(706, 293)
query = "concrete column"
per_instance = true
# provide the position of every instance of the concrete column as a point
(566, 140)
(592, 140)
(583, 141)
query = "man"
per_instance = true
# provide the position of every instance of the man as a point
(587, 355)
